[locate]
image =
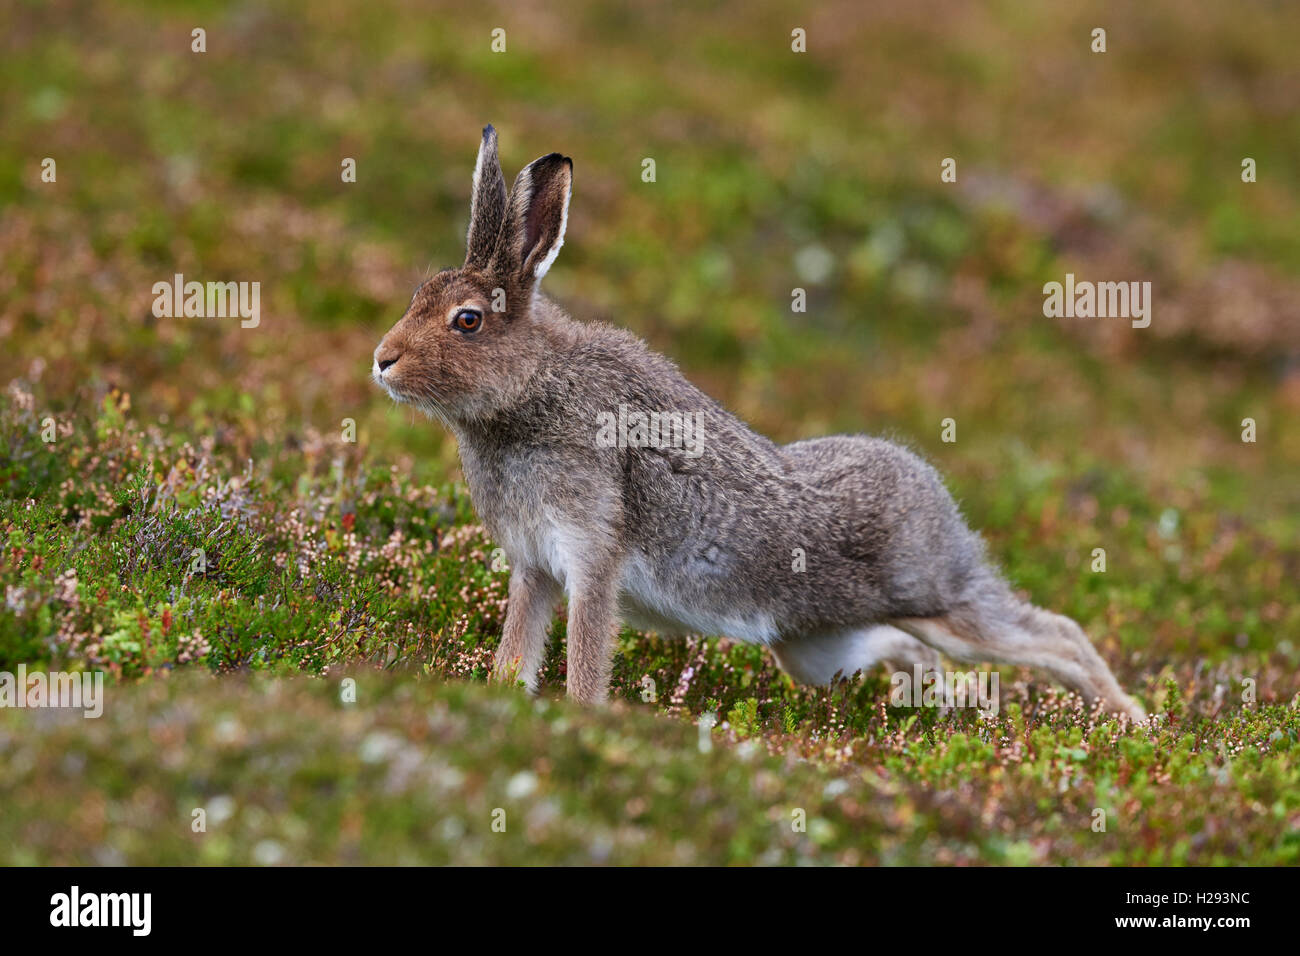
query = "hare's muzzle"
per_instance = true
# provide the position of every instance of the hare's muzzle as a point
(385, 358)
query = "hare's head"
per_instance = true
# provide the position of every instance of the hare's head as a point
(468, 341)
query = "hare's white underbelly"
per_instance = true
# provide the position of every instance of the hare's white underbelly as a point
(552, 545)
(647, 601)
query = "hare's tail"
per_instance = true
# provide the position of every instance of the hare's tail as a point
(991, 624)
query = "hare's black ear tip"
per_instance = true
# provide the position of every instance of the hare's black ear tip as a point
(488, 132)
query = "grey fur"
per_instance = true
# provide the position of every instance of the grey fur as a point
(680, 544)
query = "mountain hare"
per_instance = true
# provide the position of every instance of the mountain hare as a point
(604, 474)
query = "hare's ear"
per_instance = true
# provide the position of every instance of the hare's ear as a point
(536, 217)
(487, 204)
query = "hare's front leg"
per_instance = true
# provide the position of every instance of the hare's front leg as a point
(532, 599)
(593, 623)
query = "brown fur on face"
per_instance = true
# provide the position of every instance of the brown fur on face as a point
(446, 371)
(425, 359)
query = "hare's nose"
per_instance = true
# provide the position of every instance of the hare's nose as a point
(387, 359)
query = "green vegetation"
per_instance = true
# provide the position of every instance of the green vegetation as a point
(199, 528)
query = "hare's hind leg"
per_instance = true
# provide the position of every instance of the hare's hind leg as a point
(1031, 637)
(817, 659)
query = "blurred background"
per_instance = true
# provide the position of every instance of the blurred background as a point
(775, 170)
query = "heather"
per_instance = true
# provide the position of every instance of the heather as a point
(281, 574)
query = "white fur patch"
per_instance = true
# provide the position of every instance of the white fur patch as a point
(544, 266)
(548, 542)
(646, 603)
(817, 659)
(478, 171)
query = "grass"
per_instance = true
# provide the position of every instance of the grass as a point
(203, 527)
(428, 772)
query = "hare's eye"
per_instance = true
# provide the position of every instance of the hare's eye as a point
(468, 320)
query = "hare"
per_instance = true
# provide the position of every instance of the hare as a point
(834, 553)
